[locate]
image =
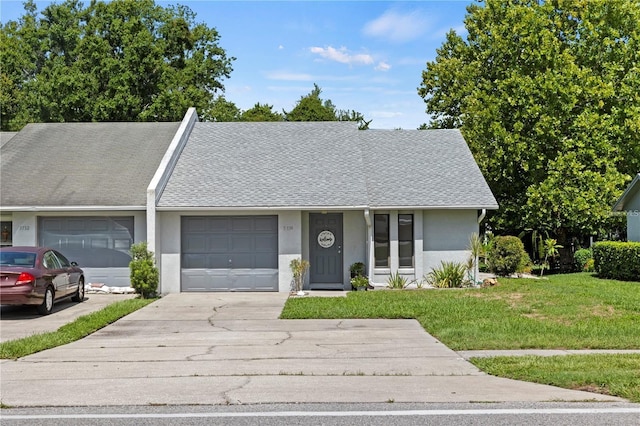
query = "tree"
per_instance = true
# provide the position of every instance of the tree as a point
(122, 60)
(313, 108)
(261, 112)
(221, 109)
(545, 94)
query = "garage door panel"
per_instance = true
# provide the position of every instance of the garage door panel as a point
(241, 253)
(217, 244)
(265, 243)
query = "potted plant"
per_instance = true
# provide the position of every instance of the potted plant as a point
(360, 283)
(357, 269)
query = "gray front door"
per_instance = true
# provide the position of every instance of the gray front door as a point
(325, 251)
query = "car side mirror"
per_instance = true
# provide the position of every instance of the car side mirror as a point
(74, 263)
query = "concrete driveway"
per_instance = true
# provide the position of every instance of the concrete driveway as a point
(231, 348)
(17, 322)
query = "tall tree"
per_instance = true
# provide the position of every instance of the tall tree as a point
(220, 109)
(123, 60)
(261, 112)
(546, 94)
(313, 108)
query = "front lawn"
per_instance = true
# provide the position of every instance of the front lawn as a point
(574, 311)
(611, 374)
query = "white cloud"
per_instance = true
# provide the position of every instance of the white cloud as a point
(383, 66)
(280, 47)
(398, 27)
(385, 114)
(342, 55)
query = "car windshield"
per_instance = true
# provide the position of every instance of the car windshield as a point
(17, 258)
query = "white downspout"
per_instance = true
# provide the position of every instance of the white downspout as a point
(369, 246)
(482, 215)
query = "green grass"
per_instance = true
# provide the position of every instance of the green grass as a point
(575, 311)
(81, 327)
(617, 374)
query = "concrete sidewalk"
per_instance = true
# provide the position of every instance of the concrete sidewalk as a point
(231, 348)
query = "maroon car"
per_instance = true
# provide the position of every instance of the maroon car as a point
(38, 276)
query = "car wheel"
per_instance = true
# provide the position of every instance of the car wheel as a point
(47, 304)
(79, 296)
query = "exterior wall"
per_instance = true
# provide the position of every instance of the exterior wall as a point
(446, 236)
(633, 225)
(25, 233)
(632, 206)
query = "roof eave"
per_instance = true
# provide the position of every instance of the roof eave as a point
(70, 208)
(619, 205)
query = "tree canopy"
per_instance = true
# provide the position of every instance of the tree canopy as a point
(123, 60)
(547, 96)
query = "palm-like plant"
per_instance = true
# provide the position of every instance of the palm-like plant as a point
(550, 249)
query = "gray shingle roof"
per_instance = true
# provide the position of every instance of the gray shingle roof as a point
(82, 164)
(5, 136)
(268, 165)
(324, 164)
(422, 168)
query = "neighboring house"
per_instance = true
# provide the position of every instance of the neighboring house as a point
(630, 202)
(81, 188)
(229, 205)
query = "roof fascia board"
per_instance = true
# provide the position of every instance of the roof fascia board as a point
(326, 208)
(170, 158)
(257, 208)
(69, 208)
(164, 171)
(619, 205)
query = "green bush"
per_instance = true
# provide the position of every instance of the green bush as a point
(144, 273)
(448, 275)
(508, 256)
(581, 259)
(617, 260)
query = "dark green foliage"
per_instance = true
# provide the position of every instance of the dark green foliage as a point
(313, 108)
(507, 256)
(546, 95)
(617, 260)
(124, 60)
(581, 258)
(144, 273)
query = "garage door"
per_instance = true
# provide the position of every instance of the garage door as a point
(229, 253)
(100, 244)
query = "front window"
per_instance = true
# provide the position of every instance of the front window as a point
(381, 240)
(405, 240)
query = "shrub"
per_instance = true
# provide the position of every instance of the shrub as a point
(508, 256)
(448, 275)
(617, 260)
(299, 268)
(144, 273)
(581, 258)
(396, 281)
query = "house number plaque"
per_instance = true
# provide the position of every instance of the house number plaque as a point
(326, 239)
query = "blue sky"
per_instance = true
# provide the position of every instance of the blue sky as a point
(366, 56)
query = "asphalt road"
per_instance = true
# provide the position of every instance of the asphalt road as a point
(390, 414)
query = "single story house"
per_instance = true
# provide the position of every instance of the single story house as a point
(227, 206)
(629, 201)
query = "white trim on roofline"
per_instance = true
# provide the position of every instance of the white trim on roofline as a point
(69, 208)
(323, 208)
(619, 205)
